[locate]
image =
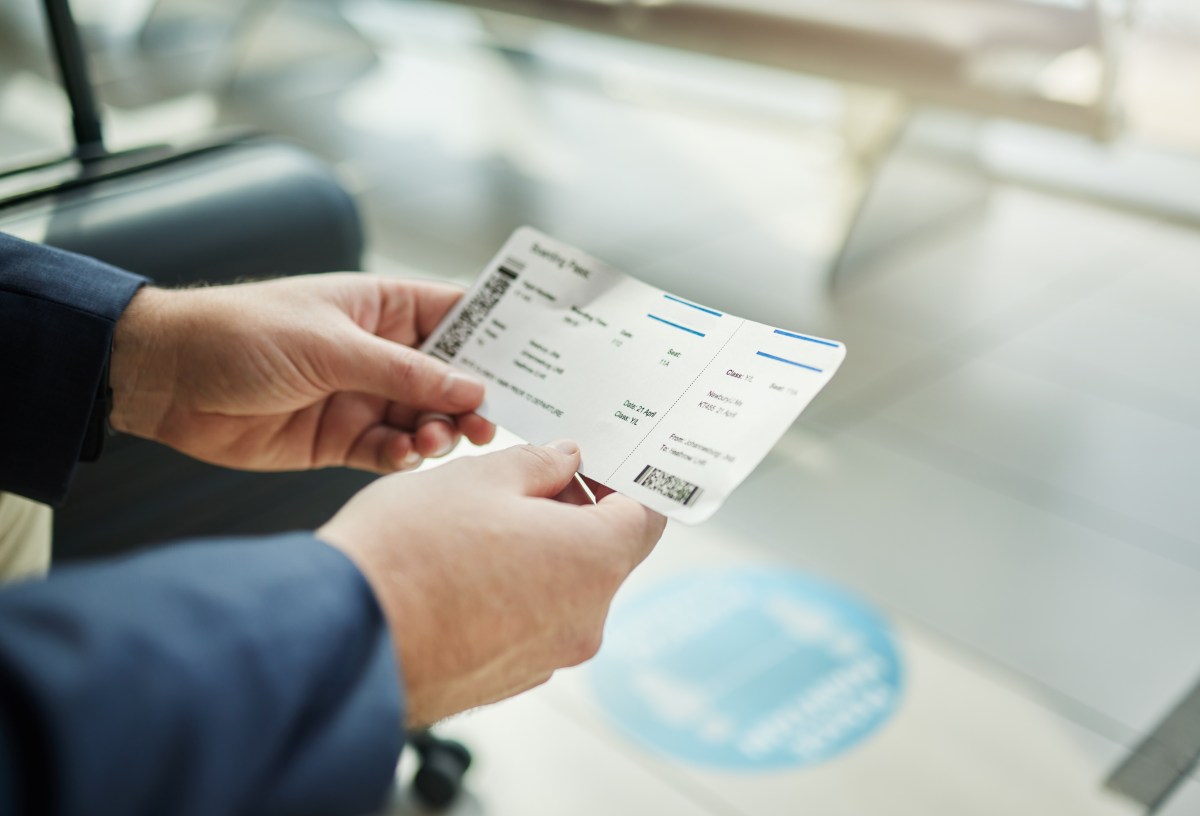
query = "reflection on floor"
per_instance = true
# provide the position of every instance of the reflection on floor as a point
(1006, 466)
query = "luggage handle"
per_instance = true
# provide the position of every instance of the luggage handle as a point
(73, 71)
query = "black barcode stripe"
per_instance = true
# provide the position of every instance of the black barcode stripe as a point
(474, 313)
(669, 485)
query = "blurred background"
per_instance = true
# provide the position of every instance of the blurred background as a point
(995, 205)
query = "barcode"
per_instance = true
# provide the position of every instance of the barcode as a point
(674, 488)
(474, 313)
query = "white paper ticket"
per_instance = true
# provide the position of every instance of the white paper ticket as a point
(672, 403)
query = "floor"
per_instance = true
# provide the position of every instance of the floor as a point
(1006, 467)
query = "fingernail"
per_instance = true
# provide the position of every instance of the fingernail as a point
(462, 389)
(565, 445)
(446, 434)
(433, 416)
(410, 460)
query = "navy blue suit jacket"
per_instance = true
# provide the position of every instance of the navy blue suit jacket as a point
(252, 676)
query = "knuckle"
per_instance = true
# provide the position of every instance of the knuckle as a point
(383, 461)
(642, 529)
(650, 532)
(464, 474)
(541, 679)
(415, 373)
(613, 571)
(538, 457)
(404, 369)
(583, 646)
(625, 540)
(459, 470)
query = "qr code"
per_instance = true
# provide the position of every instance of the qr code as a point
(474, 313)
(674, 488)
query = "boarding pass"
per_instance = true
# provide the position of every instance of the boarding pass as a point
(672, 403)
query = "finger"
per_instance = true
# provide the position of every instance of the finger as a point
(539, 471)
(396, 372)
(425, 417)
(403, 416)
(415, 304)
(643, 527)
(575, 493)
(434, 300)
(476, 428)
(598, 490)
(381, 449)
(436, 435)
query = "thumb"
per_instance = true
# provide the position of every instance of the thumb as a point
(531, 470)
(396, 372)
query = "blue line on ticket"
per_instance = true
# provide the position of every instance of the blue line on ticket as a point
(674, 419)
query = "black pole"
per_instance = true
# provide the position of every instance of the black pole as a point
(72, 65)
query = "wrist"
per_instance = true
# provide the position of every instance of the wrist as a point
(402, 607)
(141, 368)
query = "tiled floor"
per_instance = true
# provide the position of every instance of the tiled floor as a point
(1007, 466)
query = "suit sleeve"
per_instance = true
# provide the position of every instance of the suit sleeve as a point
(212, 678)
(57, 312)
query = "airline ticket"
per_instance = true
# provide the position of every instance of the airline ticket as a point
(673, 403)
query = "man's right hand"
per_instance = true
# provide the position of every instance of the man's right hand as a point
(492, 572)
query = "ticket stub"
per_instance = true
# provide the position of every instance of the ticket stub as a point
(672, 403)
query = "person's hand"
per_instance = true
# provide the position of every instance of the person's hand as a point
(492, 572)
(296, 373)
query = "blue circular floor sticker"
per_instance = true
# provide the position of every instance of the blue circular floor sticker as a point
(747, 670)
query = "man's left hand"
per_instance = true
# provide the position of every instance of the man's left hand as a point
(296, 373)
